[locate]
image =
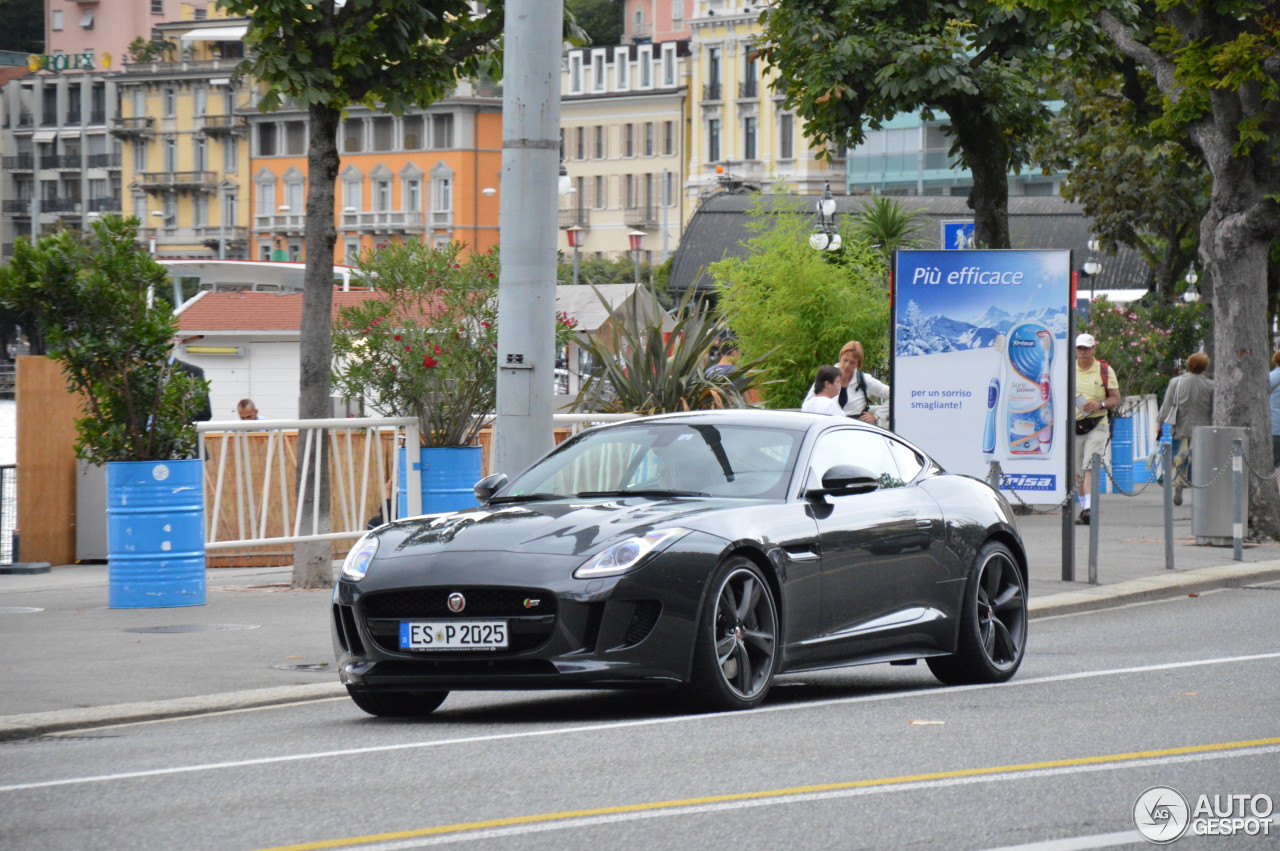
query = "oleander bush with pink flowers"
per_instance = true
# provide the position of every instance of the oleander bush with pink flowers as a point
(426, 347)
(1146, 344)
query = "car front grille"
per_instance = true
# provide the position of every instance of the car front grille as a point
(480, 603)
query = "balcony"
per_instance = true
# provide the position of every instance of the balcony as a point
(21, 207)
(228, 236)
(60, 205)
(103, 161)
(25, 119)
(22, 162)
(291, 224)
(711, 91)
(641, 217)
(387, 221)
(748, 89)
(61, 161)
(225, 125)
(177, 181)
(580, 216)
(133, 128)
(97, 116)
(73, 118)
(102, 205)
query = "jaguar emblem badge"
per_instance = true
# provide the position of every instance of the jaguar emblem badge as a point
(457, 602)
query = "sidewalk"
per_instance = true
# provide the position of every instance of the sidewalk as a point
(71, 662)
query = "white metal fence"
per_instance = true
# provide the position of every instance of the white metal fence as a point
(258, 473)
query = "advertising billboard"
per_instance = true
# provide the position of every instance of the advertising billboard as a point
(980, 363)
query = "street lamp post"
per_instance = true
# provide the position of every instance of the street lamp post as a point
(1190, 296)
(576, 235)
(826, 237)
(637, 245)
(1092, 266)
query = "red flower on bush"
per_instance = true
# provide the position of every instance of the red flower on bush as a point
(428, 361)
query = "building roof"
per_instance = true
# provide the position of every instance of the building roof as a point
(719, 229)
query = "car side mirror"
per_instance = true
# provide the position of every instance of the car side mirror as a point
(489, 485)
(845, 480)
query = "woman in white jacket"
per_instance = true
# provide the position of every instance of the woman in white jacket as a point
(857, 386)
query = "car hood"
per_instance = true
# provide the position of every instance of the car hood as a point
(562, 527)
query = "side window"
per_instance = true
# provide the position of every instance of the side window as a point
(859, 448)
(909, 461)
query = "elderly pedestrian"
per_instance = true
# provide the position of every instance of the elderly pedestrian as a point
(1097, 392)
(1188, 403)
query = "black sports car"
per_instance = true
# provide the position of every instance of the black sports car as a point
(706, 551)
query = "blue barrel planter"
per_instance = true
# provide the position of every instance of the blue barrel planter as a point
(155, 534)
(1122, 453)
(448, 475)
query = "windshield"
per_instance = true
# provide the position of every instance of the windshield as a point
(667, 459)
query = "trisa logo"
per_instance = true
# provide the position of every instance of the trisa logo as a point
(1162, 815)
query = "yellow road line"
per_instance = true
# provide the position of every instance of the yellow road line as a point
(770, 793)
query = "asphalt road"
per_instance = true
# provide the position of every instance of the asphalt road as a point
(1181, 693)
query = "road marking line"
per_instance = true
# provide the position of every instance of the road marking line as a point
(521, 825)
(622, 725)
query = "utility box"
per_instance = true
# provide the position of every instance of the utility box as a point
(91, 511)
(1213, 500)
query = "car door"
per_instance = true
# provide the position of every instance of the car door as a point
(879, 550)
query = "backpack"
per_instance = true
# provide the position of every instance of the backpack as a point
(866, 400)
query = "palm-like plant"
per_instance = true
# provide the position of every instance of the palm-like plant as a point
(886, 224)
(648, 368)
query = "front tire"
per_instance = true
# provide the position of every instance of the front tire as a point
(397, 704)
(736, 650)
(993, 622)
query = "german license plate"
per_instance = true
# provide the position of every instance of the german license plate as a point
(453, 635)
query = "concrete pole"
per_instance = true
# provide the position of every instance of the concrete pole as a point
(527, 232)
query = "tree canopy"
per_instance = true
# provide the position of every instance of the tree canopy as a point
(848, 66)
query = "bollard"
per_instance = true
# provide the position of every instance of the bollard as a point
(1166, 463)
(1095, 516)
(994, 474)
(1237, 499)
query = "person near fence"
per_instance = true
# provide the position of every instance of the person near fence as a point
(1097, 393)
(826, 387)
(1275, 409)
(247, 410)
(1188, 403)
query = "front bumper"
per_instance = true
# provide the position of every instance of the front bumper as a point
(632, 630)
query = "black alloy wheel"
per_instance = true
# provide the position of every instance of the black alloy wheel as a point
(397, 704)
(737, 644)
(993, 622)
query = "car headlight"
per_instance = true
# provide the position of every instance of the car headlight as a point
(626, 555)
(356, 564)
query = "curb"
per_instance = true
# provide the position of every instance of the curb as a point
(43, 723)
(1172, 584)
(1092, 598)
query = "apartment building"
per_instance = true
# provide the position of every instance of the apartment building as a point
(183, 129)
(429, 175)
(623, 120)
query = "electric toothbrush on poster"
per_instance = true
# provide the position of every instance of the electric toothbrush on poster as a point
(993, 402)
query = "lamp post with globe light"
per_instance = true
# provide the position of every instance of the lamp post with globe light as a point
(1092, 266)
(1190, 296)
(826, 238)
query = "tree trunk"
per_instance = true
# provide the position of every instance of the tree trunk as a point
(982, 141)
(313, 561)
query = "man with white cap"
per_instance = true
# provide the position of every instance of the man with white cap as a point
(1096, 393)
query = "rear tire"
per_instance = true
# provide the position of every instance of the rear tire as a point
(398, 704)
(993, 622)
(736, 648)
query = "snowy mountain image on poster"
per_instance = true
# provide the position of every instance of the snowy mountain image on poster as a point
(938, 311)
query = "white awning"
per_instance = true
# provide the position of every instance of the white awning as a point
(215, 34)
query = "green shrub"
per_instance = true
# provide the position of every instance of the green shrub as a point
(1145, 344)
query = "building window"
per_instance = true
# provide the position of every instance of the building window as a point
(140, 155)
(749, 138)
(575, 74)
(580, 143)
(170, 103)
(200, 153)
(750, 76)
(668, 189)
(713, 140)
(266, 140)
(170, 211)
(230, 154)
(442, 131)
(412, 194)
(139, 103)
(200, 210)
(600, 151)
(229, 207)
(382, 195)
(622, 60)
(295, 138)
(441, 195)
(157, 7)
(786, 136)
(353, 193)
(713, 74)
(57, 20)
(295, 191)
(668, 138)
(600, 196)
(629, 191)
(669, 66)
(597, 70)
(628, 140)
(384, 127)
(677, 10)
(353, 135)
(86, 18)
(199, 100)
(170, 153)
(648, 138)
(267, 197)
(644, 61)
(412, 128)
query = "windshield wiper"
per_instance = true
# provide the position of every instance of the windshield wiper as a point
(526, 497)
(655, 493)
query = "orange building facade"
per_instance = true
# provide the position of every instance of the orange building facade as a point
(430, 175)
